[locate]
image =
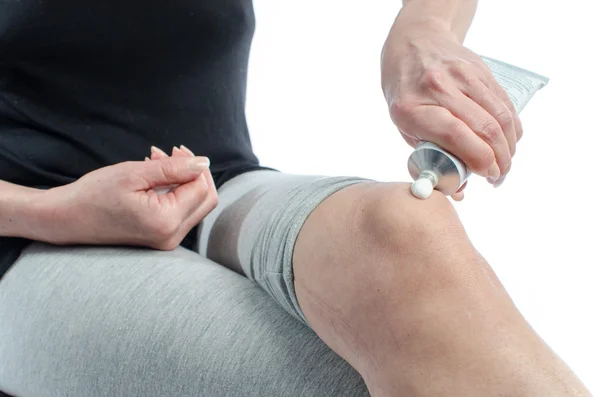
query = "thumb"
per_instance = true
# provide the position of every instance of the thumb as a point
(173, 170)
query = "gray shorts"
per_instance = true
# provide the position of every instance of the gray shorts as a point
(254, 229)
(118, 321)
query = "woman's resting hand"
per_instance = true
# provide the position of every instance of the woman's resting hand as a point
(118, 204)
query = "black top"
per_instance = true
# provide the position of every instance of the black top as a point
(89, 83)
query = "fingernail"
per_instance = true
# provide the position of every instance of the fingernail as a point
(147, 159)
(154, 149)
(176, 150)
(500, 181)
(198, 163)
(506, 168)
(494, 172)
(207, 160)
(186, 150)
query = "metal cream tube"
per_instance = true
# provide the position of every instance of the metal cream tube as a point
(431, 167)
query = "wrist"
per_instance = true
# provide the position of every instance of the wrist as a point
(416, 23)
(35, 212)
(51, 216)
(451, 16)
(20, 212)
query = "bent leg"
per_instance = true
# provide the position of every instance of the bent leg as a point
(131, 322)
(393, 285)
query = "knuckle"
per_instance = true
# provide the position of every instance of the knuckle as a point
(453, 133)
(490, 130)
(169, 169)
(470, 80)
(403, 112)
(503, 95)
(462, 70)
(504, 117)
(401, 109)
(432, 80)
(212, 200)
(459, 66)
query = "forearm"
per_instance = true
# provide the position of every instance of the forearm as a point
(20, 212)
(455, 15)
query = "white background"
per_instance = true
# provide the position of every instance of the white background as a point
(314, 106)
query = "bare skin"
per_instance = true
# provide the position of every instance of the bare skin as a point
(114, 205)
(395, 287)
(390, 283)
(439, 91)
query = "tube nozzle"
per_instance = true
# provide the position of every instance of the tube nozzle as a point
(424, 185)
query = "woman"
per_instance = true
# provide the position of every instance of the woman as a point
(86, 85)
(116, 296)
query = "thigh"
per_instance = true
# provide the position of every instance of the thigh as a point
(255, 227)
(132, 322)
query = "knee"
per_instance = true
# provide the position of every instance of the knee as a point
(421, 245)
(390, 264)
(395, 221)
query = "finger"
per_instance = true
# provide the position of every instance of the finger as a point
(191, 195)
(183, 151)
(490, 81)
(436, 124)
(208, 204)
(178, 153)
(165, 189)
(484, 126)
(186, 151)
(211, 183)
(494, 106)
(169, 171)
(458, 196)
(413, 142)
(401, 116)
(157, 154)
(500, 181)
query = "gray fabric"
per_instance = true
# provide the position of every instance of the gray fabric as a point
(125, 322)
(255, 227)
(133, 322)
